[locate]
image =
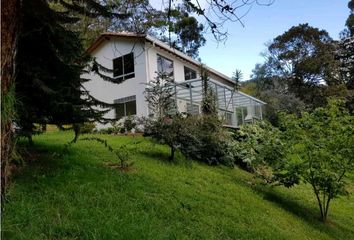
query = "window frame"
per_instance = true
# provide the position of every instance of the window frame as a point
(124, 102)
(189, 69)
(124, 75)
(168, 59)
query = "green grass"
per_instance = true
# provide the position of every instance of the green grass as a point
(74, 195)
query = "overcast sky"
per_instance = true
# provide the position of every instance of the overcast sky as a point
(263, 23)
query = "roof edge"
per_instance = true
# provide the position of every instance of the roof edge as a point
(154, 41)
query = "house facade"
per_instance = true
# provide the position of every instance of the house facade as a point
(135, 60)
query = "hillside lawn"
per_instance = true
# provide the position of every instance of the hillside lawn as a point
(75, 194)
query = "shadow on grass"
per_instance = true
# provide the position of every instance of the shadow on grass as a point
(306, 213)
(43, 160)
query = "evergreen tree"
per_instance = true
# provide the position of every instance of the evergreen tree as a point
(50, 62)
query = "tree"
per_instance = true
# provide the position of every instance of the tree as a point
(237, 77)
(160, 96)
(173, 26)
(267, 85)
(304, 54)
(51, 92)
(345, 55)
(10, 25)
(349, 31)
(209, 105)
(321, 152)
(216, 13)
(302, 62)
(164, 125)
(188, 31)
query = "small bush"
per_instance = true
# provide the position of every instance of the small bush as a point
(129, 124)
(201, 138)
(87, 127)
(207, 141)
(256, 145)
(116, 128)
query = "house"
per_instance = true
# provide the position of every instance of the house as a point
(136, 59)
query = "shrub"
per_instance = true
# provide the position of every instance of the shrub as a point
(257, 145)
(129, 124)
(87, 127)
(204, 139)
(115, 129)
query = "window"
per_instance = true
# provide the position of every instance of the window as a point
(165, 66)
(189, 73)
(125, 106)
(228, 118)
(241, 113)
(123, 67)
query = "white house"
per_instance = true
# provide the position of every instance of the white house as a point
(136, 59)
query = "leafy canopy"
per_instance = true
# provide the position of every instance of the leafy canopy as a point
(321, 151)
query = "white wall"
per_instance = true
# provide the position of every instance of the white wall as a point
(107, 91)
(145, 55)
(178, 63)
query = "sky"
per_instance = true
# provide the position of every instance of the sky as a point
(244, 45)
(263, 23)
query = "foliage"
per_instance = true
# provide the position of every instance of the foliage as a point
(257, 145)
(198, 137)
(237, 77)
(168, 130)
(345, 56)
(321, 152)
(280, 102)
(8, 102)
(303, 54)
(189, 33)
(129, 123)
(164, 124)
(206, 140)
(159, 95)
(209, 101)
(273, 90)
(87, 127)
(299, 62)
(51, 91)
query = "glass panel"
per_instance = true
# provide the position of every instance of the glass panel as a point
(194, 109)
(128, 63)
(241, 113)
(130, 108)
(120, 110)
(165, 66)
(189, 73)
(117, 66)
(228, 118)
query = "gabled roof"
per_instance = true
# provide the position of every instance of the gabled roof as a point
(155, 42)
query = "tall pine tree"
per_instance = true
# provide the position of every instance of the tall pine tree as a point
(50, 62)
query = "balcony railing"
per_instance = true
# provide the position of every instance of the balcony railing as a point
(234, 107)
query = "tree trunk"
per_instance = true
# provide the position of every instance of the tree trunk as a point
(77, 131)
(172, 156)
(10, 13)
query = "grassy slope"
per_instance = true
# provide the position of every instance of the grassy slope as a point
(76, 196)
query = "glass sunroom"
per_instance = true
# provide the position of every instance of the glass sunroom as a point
(234, 107)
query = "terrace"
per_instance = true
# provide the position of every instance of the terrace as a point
(235, 108)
